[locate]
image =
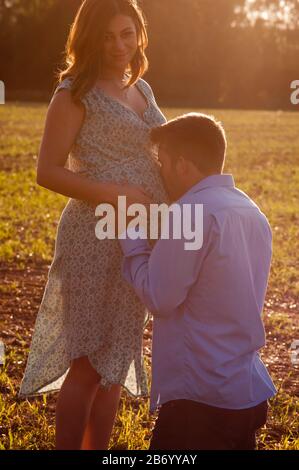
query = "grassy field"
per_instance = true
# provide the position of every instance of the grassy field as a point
(264, 158)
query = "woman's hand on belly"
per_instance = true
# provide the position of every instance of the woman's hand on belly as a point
(135, 195)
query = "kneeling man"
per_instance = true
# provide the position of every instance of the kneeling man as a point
(208, 379)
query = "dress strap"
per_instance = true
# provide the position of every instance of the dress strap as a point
(87, 99)
(147, 90)
(65, 84)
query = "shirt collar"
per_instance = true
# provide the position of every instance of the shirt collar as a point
(213, 181)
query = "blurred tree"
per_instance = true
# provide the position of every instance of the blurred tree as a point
(279, 13)
(32, 40)
(230, 53)
(264, 60)
(192, 37)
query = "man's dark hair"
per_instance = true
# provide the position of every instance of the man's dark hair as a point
(196, 137)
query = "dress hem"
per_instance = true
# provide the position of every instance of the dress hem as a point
(107, 386)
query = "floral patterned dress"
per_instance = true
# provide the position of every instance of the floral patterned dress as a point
(87, 307)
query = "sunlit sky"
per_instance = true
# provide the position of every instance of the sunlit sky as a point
(281, 12)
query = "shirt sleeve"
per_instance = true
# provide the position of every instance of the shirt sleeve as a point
(163, 276)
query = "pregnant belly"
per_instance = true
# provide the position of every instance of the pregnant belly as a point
(76, 230)
(142, 171)
(146, 175)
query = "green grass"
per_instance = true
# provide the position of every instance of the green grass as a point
(263, 155)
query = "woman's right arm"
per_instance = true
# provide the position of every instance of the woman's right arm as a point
(63, 123)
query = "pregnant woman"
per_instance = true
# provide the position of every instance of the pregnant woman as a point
(87, 340)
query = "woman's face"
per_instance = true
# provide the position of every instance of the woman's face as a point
(120, 42)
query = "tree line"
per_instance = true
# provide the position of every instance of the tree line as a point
(222, 53)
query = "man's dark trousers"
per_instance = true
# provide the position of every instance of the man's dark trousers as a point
(188, 425)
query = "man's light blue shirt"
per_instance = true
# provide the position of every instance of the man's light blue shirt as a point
(207, 304)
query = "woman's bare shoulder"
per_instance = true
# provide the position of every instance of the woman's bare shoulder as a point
(63, 102)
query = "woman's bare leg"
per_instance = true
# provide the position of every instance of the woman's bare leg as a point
(74, 404)
(101, 419)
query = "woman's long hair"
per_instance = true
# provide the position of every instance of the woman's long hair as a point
(83, 48)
